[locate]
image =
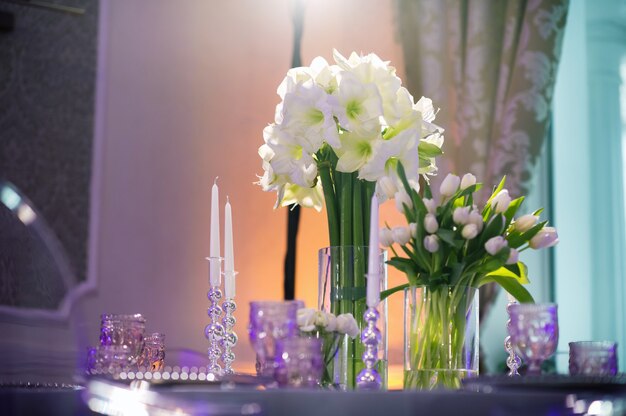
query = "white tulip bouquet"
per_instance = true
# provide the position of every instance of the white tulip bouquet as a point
(448, 247)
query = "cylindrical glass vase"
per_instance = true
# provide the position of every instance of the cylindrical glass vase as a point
(440, 336)
(342, 289)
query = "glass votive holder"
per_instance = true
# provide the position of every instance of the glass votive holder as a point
(153, 354)
(111, 359)
(593, 358)
(270, 321)
(299, 362)
(126, 331)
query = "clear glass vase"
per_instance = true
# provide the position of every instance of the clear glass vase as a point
(341, 289)
(440, 336)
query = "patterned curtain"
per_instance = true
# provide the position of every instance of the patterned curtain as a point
(490, 65)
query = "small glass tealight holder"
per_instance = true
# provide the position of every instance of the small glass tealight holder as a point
(299, 362)
(593, 358)
(153, 354)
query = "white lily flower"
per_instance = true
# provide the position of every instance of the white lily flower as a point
(402, 198)
(319, 71)
(357, 105)
(431, 243)
(305, 197)
(307, 115)
(513, 257)
(525, 222)
(430, 223)
(495, 244)
(467, 181)
(357, 148)
(431, 205)
(461, 215)
(385, 237)
(425, 107)
(547, 237)
(449, 185)
(387, 155)
(501, 201)
(401, 235)
(469, 231)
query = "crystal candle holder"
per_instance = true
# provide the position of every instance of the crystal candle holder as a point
(594, 358)
(299, 362)
(125, 331)
(270, 322)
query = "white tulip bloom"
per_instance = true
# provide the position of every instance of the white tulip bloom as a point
(513, 257)
(547, 237)
(449, 185)
(346, 324)
(306, 319)
(501, 201)
(386, 188)
(431, 243)
(385, 237)
(402, 198)
(431, 205)
(469, 231)
(401, 235)
(413, 229)
(430, 223)
(467, 181)
(461, 215)
(477, 219)
(495, 244)
(525, 222)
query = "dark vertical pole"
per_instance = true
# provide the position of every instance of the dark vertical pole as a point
(293, 214)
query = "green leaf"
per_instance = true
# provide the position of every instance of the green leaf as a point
(426, 149)
(493, 228)
(406, 266)
(386, 293)
(448, 236)
(517, 271)
(417, 201)
(512, 209)
(497, 189)
(512, 286)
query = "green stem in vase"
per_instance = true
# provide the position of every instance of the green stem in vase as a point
(345, 238)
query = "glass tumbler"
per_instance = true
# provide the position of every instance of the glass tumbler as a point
(594, 358)
(269, 322)
(534, 332)
(299, 362)
(126, 331)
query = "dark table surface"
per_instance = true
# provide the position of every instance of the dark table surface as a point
(211, 400)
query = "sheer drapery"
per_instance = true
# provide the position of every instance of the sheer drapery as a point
(490, 65)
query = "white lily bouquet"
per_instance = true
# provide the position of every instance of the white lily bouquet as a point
(450, 247)
(329, 328)
(338, 134)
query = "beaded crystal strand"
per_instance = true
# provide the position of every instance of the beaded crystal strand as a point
(368, 378)
(512, 361)
(214, 331)
(230, 337)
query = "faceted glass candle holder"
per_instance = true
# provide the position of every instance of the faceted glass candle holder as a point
(593, 358)
(153, 355)
(534, 332)
(270, 322)
(126, 331)
(299, 362)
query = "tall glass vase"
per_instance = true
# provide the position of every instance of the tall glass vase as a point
(440, 336)
(341, 289)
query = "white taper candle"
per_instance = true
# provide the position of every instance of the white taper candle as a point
(214, 250)
(373, 271)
